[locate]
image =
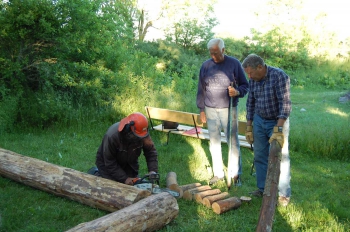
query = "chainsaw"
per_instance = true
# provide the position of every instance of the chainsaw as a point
(150, 182)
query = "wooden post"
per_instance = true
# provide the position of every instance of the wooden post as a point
(65, 182)
(269, 201)
(189, 194)
(149, 214)
(225, 205)
(209, 200)
(171, 183)
(200, 195)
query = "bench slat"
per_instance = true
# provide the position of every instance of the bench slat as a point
(174, 116)
(203, 135)
(187, 119)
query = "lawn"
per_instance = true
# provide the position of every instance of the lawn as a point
(320, 183)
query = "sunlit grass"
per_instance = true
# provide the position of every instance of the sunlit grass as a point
(320, 189)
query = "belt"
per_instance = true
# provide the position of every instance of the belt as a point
(266, 118)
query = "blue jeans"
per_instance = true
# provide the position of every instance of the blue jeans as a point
(217, 119)
(262, 131)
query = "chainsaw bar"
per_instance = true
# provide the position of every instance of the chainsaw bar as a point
(155, 189)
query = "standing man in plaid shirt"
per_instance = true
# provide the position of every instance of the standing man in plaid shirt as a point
(268, 110)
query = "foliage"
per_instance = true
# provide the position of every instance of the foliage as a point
(60, 56)
(191, 30)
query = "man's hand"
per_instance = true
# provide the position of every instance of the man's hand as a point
(203, 117)
(277, 135)
(249, 134)
(129, 181)
(232, 92)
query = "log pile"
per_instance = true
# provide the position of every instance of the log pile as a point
(133, 209)
(219, 202)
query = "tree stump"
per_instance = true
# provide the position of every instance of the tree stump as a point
(65, 182)
(149, 214)
(209, 200)
(225, 205)
(269, 201)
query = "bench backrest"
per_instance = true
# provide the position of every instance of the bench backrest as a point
(183, 117)
(174, 116)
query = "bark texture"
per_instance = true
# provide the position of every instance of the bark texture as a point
(269, 201)
(65, 182)
(149, 214)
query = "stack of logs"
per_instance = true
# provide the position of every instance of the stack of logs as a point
(220, 202)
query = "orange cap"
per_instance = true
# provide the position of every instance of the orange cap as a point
(140, 127)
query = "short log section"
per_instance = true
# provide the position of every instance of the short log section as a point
(171, 183)
(189, 194)
(209, 200)
(200, 195)
(149, 214)
(65, 182)
(225, 205)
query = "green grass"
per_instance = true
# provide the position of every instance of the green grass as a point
(320, 192)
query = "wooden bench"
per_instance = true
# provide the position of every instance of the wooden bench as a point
(188, 121)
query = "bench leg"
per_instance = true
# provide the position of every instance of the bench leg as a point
(167, 137)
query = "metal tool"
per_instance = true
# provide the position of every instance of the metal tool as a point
(150, 182)
(229, 142)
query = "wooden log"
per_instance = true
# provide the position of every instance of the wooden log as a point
(269, 201)
(149, 214)
(65, 182)
(189, 194)
(200, 195)
(171, 183)
(209, 200)
(189, 186)
(225, 205)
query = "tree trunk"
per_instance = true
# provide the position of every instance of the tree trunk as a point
(209, 200)
(149, 214)
(189, 194)
(65, 182)
(225, 205)
(171, 183)
(199, 196)
(269, 201)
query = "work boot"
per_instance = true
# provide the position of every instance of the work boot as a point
(237, 181)
(257, 193)
(283, 201)
(215, 179)
(93, 171)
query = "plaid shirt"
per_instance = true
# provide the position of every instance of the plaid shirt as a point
(270, 97)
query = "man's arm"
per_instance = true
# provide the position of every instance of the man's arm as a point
(111, 164)
(150, 153)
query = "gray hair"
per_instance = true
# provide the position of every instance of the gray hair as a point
(253, 61)
(216, 42)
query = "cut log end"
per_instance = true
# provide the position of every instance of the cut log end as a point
(245, 199)
(225, 205)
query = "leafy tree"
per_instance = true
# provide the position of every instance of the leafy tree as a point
(191, 23)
